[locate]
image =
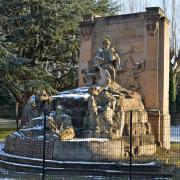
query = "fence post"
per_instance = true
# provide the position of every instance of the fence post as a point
(130, 152)
(44, 146)
(17, 119)
(17, 125)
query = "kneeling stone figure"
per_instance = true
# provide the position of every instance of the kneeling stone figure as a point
(61, 124)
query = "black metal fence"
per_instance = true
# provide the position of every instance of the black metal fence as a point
(147, 148)
(8, 112)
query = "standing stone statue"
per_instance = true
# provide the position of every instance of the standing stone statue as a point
(35, 106)
(20, 108)
(104, 66)
(31, 110)
(92, 108)
(119, 117)
(106, 103)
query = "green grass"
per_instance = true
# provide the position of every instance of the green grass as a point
(175, 154)
(171, 156)
(5, 132)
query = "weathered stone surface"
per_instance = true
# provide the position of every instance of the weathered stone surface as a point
(28, 147)
(75, 104)
(147, 139)
(88, 150)
(61, 124)
(104, 116)
(32, 132)
(38, 121)
(148, 149)
(143, 46)
(132, 104)
(135, 141)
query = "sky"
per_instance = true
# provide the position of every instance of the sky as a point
(132, 6)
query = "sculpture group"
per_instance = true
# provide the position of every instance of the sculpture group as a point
(105, 114)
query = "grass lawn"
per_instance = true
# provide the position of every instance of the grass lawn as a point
(5, 132)
(171, 156)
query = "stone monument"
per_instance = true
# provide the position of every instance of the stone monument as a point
(92, 123)
(141, 41)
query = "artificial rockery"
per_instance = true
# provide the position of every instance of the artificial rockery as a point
(88, 123)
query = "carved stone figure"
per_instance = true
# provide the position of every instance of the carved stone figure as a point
(89, 78)
(102, 107)
(92, 108)
(20, 107)
(101, 110)
(119, 117)
(107, 59)
(105, 65)
(35, 105)
(61, 124)
(31, 110)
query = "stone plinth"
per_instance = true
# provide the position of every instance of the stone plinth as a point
(146, 149)
(28, 147)
(89, 150)
(86, 149)
(75, 150)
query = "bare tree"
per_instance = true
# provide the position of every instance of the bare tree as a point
(131, 6)
(173, 25)
(164, 7)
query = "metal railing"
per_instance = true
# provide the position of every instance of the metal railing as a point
(8, 112)
(131, 160)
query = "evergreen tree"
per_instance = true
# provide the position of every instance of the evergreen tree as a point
(39, 42)
(172, 91)
(173, 79)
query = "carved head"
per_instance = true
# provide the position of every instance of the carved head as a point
(33, 100)
(42, 95)
(93, 90)
(106, 43)
(60, 110)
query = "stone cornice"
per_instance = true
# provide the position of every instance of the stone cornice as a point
(88, 21)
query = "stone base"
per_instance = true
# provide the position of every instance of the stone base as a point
(79, 149)
(148, 149)
(28, 147)
(84, 168)
(88, 150)
(160, 123)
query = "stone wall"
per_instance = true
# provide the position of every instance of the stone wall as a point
(77, 150)
(28, 147)
(142, 41)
